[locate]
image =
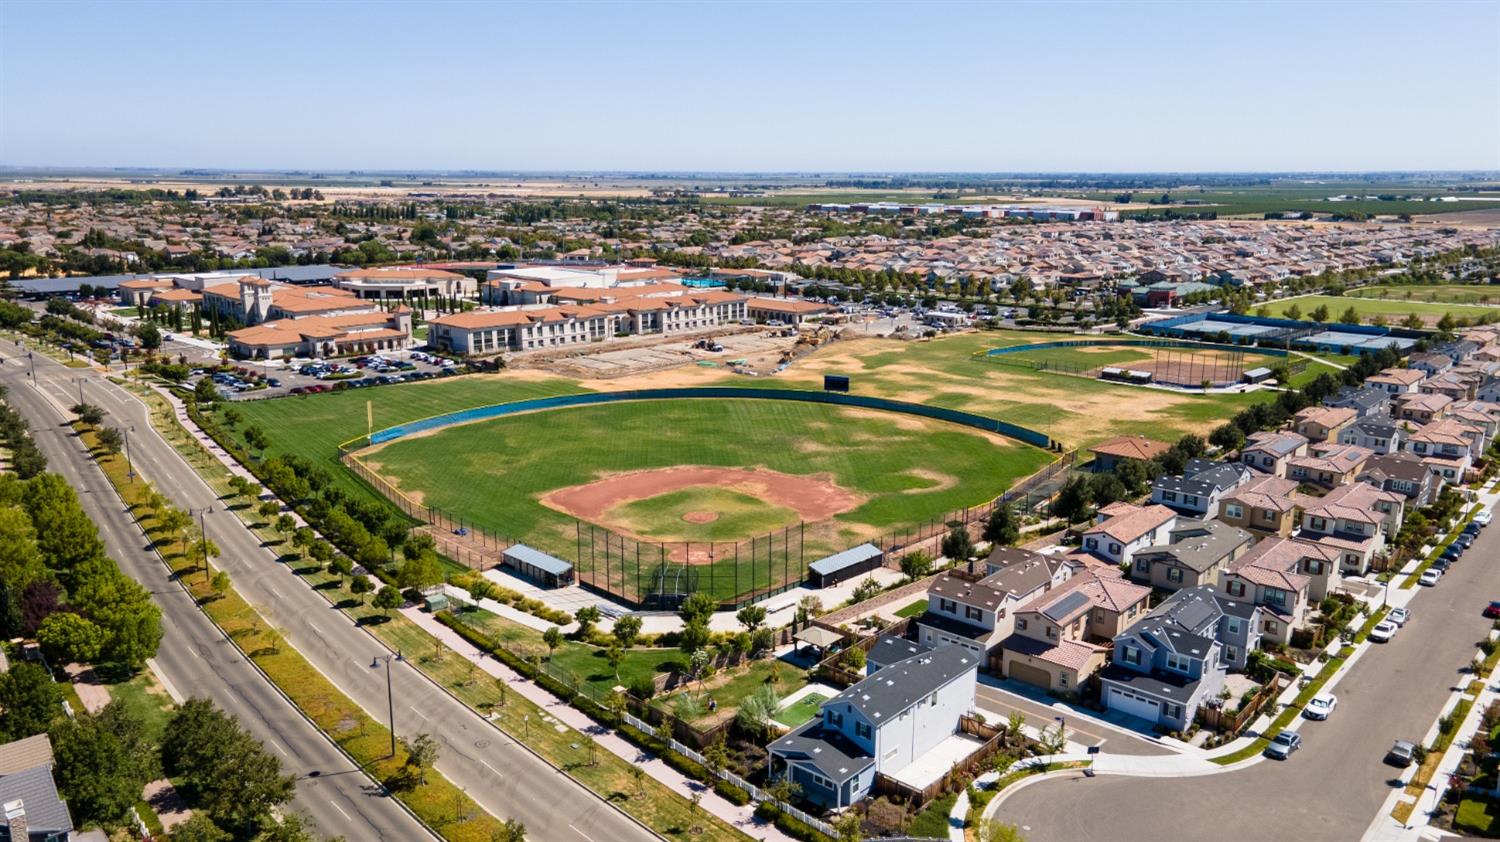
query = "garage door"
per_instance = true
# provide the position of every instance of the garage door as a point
(1128, 702)
(1031, 675)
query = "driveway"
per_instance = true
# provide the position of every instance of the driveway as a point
(1336, 784)
(1086, 732)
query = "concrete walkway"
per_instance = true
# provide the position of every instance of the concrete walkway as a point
(608, 740)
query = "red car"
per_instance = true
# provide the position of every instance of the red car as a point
(1492, 610)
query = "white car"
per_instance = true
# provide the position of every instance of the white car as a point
(1483, 517)
(1399, 616)
(1430, 577)
(1319, 706)
(1383, 631)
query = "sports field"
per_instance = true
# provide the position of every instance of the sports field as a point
(756, 467)
(1482, 294)
(1394, 309)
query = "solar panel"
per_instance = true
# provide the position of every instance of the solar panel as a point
(1065, 606)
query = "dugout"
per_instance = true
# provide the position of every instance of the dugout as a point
(537, 566)
(826, 572)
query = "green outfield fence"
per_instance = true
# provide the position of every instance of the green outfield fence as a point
(659, 575)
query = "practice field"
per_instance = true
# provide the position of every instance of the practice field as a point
(780, 464)
(1182, 366)
(1394, 309)
(1482, 294)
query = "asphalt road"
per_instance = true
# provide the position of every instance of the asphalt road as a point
(196, 659)
(1336, 784)
(1079, 730)
(503, 776)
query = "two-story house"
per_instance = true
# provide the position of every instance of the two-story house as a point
(1265, 506)
(975, 610)
(1446, 447)
(1195, 553)
(882, 725)
(1403, 473)
(1421, 409)
(1354, 520)
(1377, 433)
(1322, 423)
(1365, 400)
(1328, 465)
(1062, 637)
(1397, 381)
(1268, 450)
(1196, 493)
(1430, 364)
(1169, 663)
(1285, 577)
(1126, 529)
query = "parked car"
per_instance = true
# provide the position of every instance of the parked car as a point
(1442, 564)
(1430, 577)
(1493, 609)
(1283, 745)
(1465, 540)
(1401, 754)
(1483, 518)
(1319, 706)
(1399, 616)
(1383, 631)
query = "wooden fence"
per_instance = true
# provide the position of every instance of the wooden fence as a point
(1225, 722)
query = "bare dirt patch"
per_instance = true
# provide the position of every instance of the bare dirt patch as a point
(700, 517)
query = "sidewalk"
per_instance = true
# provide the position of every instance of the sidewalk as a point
(741, 817)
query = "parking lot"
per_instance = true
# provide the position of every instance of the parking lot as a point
(247, 380)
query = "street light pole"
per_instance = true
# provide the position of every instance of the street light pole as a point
(390, 697)
(203, 536)
(129, 468)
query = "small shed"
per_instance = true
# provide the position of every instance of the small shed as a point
(435, 602)
(826, 572)
(538, 566)
(1257, 375)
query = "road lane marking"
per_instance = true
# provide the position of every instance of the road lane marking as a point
(487, 765)
(341, 812)
(581, 833)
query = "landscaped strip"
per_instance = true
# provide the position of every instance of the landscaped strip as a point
(1283, 719)
(1411, 580)
(437, 803)
(657, 806)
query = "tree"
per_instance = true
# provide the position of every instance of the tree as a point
(123, 610)
(1192, 446)
(694, 636)
(1227, 437)
(957, 545)
(697, 607)
(286, 525)
(615, 655)
(102, 762)
(553, 638)
(111, 439)
(150, 335)
(222, 769)
(1105, 489)
(417, 544)
(751, 617)
(1072, 501)
(916, 564)
(205, 393)
(1319, 314)
(388, 599)
(1002, 527)
(269, 510)
(627, 629)
(67, 638)
(200, 828)
(29, 699)
(853, 659)
(1293, 312)
(421, 753)
(220, 583)
(320, 551)
(848, 827)
(89, 414)
(1349, 316)
(512, 830)
(421, 572)
(587, 616)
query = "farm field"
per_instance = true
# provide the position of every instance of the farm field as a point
(877, 473)
(1483, 294)
(1256, 201)
(1392, 309)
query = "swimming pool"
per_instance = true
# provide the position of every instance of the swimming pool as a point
(702, 283)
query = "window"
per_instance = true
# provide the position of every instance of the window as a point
(1062, 680)
(1174, 574)
(1234, 510)
(1319, 524)
(1052, 632)
(1231, 653)
(1267, 515)
(1191, 499)
(1236, 588)
(1130, 655)
(1113, 547)
(1179, 663)
(1169, 495)
(1143, 565)
(1232, 625)
(1271, 627)
(862, 730)
(973, 613)
(948, 606)
(1092, 543)
(1172, 711)
(1020, 624)
(1314, 567)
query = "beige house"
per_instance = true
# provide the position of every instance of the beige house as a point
(1062, 638)
(1329, 465)
(1266, 507)
(1322, 423)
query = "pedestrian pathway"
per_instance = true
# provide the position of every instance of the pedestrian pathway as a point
(607, 739)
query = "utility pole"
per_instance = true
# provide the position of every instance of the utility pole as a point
(203, 536)
(129, 468)
(390, 698)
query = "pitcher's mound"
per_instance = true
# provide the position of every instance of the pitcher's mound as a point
(700, 517)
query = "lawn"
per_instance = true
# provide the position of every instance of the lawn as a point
(1393, 309)
(730, 688)
(143, 696)
(802, 710)
(1477, 816)
(915, 608)
(1443, 293)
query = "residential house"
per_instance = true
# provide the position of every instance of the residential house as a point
(1421, 409)
(1396, 381)
(1429, 364)
(1195, 553)
(1175, 659)
(881, 725)
(1126, 529)
(1354, 520)
(1266, 506)
(1406, 474)
(1322, 423)
(1447, 447)
(1196, 493)
(1365, 400)
(1285, 577)
(1328, 465)
(1062, 637)
(973, 610)
(1378, 433)
(30, 808)
(1110, 453)
(1268, 451)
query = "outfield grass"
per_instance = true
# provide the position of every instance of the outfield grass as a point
(1393, 309)
(1441, 293)
(907, 469)
(661, 517)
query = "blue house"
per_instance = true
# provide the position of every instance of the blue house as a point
(879, 726)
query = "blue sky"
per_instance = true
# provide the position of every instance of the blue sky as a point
(1108, 86)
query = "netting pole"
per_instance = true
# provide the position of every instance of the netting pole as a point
(592, 567)
(607, 583)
